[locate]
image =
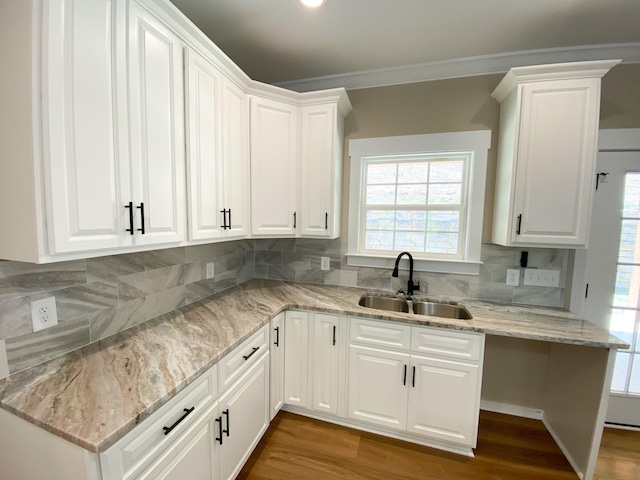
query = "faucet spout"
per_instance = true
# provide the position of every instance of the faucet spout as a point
(411, 286)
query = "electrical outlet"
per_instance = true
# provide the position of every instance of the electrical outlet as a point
(513, 277)
(541, 278)
(44, 313)
(325, 263)
(210, 270)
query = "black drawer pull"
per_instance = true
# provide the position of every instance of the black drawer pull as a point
(226, 414)
(404, 380)
(187, 411)
(219, 421)
(246, 357)
(277, 342)
(141, 207)
(130, 207)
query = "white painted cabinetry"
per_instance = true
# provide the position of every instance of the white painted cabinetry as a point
(274, 160)
(327, 340)
(276, 350)
(217, 152)
(296, 359)
(546, 155)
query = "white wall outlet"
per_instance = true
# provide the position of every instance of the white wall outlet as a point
(325, 263)
(541, 278)
(210, 270)
(44, 313)
(513, 277)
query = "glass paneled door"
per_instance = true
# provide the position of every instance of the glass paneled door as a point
(613, 275)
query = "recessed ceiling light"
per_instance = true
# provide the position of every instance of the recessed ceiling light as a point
(312, 3)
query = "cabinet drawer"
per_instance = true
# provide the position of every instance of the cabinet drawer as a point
(371, 332)
(448, 343)
(231, 367)
(144, 443)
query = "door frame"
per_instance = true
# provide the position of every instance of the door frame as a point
(613, 140)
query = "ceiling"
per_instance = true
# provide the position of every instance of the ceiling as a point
(282, 42)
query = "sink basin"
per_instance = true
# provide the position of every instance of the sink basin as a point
(384, 303)
(436, 309)
(441, 310)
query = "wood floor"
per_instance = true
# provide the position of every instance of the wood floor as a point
(509, 448)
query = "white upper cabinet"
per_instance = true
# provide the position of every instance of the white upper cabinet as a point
(157, 129)
(217, 152)
(321, 171)
(274, 158)
(546, 154)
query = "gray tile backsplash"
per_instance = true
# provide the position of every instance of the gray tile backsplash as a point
(98, 297)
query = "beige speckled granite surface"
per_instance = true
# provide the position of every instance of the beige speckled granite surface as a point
(94, 396)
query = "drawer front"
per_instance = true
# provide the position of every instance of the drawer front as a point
(231, 367)
(385, 334)
(143, 443)
(448, 343)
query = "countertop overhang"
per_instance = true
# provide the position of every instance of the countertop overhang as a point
(94, 396)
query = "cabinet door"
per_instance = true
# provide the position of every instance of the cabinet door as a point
(245, 416)
(325, 355)
(296, 378)
(189, 456)
(444, 400)
(85, 155)
(555, 173)
(320, 171)
(204, 149)
(377, 386)
(276, 378)
(235, 158)
(274, 131)
(157, 123)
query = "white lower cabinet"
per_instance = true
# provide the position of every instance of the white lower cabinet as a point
(326, 343)
(276, 377)
(296, 359)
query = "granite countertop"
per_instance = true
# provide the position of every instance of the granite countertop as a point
(94, 396)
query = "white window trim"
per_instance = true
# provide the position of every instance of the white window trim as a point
(477, 141)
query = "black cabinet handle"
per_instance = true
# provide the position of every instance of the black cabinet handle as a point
(413, 380)
(224, 219)
(334, 334)
(326, 221)
(187, 411)
(519, 224)
(247, 357)
(277, 342)
(404, 379)
(141, 208)
(294, 219)
(226, 414)
(219, 421)
(229, 226)
(130, 207)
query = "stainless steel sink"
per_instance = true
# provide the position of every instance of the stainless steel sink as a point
(445, 310)
(384, 303)
(435, 309)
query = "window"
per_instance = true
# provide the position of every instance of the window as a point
(420, 193)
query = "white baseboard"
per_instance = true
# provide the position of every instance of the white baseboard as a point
(515, 410)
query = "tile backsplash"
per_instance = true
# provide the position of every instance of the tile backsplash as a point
(99, 297)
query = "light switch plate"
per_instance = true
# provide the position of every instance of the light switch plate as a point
(537, 277)
(210, 270)
(44, 313)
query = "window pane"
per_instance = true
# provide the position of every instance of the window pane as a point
(634, 383)
(412, 194)
(380, 219)
(381, 195)
(620, 371)
(411, 220)
(622, 324)
(413, 173)
(628, 242)
(413, 242)
(446, 171)
(627, 286)
(445, 194)
(442, 243)
(381, 173)
(378, 240)
(631, 206)
(444, 221)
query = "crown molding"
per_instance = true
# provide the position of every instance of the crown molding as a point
(466, 67)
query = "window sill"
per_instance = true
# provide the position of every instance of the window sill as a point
(459, 267)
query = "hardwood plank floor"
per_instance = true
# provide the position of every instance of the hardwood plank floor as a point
(619, 457)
